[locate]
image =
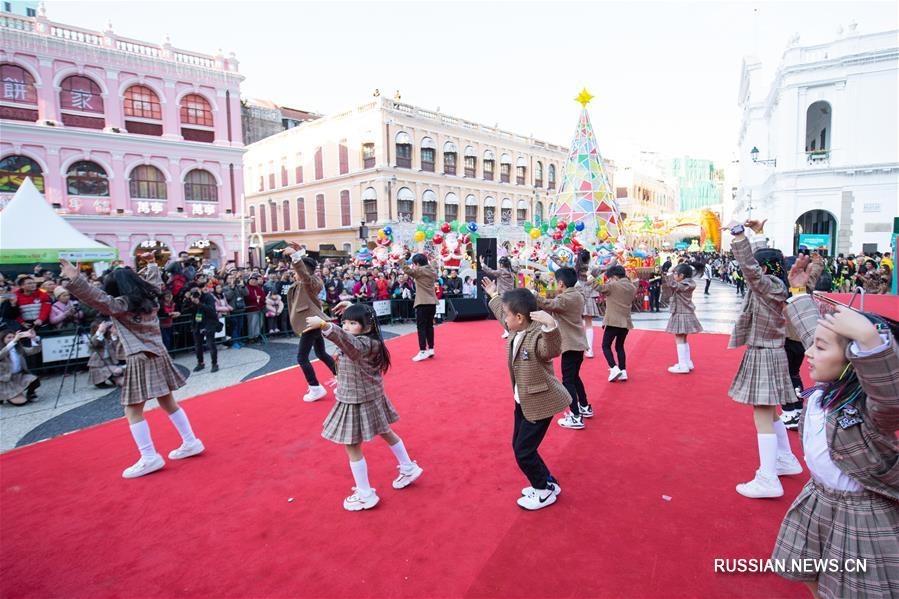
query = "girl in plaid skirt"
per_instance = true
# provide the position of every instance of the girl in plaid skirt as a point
(849, 509)
(362, 410)
(683, 319)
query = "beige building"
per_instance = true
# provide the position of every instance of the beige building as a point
(644, 187)
(386, 162)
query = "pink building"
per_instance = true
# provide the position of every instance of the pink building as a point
(137, 145)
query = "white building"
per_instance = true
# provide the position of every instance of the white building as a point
(825, 134)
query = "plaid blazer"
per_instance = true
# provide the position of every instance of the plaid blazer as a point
(505, 279)
(138, 331)
(425, 277)
(814, 273)
(869, 451)
(302, 298)
(531, 369)
(762, 323)
(567, 308)
(619, 299)
(358, 379)
(681, 294)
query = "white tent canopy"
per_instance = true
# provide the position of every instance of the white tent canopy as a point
(31, 232)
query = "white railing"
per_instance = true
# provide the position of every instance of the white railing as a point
(138, 48)
(195, 60)
(13, 22)
(76, 35)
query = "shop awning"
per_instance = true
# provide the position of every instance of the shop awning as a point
(274, 245)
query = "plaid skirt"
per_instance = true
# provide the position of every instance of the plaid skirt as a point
(147, 377)
(824, 524)
(684, 323)
(763, 378)
(590, 294)
(349, 423)
(16, 385)
(100, 374)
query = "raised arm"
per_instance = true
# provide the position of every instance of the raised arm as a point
(152, 275)
(355, 348)
(802, 313)
(752, 272)
(95, 298)
(876, 371)
(549, 344)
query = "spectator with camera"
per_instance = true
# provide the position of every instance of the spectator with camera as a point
(17, 385)
(205, 325)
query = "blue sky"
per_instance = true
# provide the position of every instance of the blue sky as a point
(665, 74)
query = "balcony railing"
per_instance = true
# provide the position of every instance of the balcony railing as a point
(817, 156)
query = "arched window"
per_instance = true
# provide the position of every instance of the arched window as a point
(551, 177)
(471, 162)
(319, 164)
(451, 207)
(86, 178)
(142, 102)
(405, 204)
(147, 183)
(14, 169)
(429, 206)
(489, 210)
(521, 167)
(403, 150)
(538, 212)
(370, 204)
(505, 212)
(80, 94)
(505, 168)
(195, 110)
(449, 158)
(538, 174)
(252, 219)
(368, 155)
(521, 214)
(428, 154)
(285, 214)
(818, 131)
(471, 208)
(284, 182)
(489, 164)
(200, 186)
(18, 90)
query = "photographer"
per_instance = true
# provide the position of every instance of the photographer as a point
(205, 325)
(103, 368)
(17, 385)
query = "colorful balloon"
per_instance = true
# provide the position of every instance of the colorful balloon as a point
(579, 226)
(561, 225)
(465, 238)
(446, 228)
(437, 239)
(535, 233)
(472, 227)
(387, 231)
(419, 236)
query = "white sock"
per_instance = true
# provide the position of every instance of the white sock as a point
(687, 352)
(179, 419)
(682, 354)
(589, 332)
(360, 475)
(768, 454)
(142, 438)
(783, 441)
(402, 456)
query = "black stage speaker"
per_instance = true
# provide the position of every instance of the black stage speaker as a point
(486, 249)
(459, 309)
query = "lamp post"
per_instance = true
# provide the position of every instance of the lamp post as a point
(755, 158)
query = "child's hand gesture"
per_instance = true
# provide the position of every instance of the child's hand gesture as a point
(488, 285)
(852, 325)
(756, 225)
(314, 322)
(341, 307)
(68, 270)
(798, 275)
(543, 318)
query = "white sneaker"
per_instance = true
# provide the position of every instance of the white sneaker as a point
(761, 487)
(586, 411)
(690, 364)
(315, 393)
(623, 375)
(186, 450)
(571, 421)
(679, 369)
(407, 477)
(556, 489)
(505, 335)
(430, 353)
(144, 466)
(588, 353)
(357, 501)
(614, 373)
(790, 418)
(788, 464)
(422, 355)
(537, 500)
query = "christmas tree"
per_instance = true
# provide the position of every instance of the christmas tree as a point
(585, 194)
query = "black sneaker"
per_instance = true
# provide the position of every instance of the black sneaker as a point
(586, 411)
(215, 368)
(791, 419)
(199, 367)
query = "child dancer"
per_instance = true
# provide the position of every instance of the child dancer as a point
(683, 319)
(763, 380)
(538, 393)
(303, 302)
(132, 301)
(362, 410)
(567, 308)
(619, 292)
(103, 368)
(425, 304)
(505, 280)
(585, 277)
(849, 508)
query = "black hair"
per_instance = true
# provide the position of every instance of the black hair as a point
(6, 332)
(365, 315)
(566, 276)
(505, 262)
(684, 269)
(773, 260)
(420, 260)
(617, 271)
(520, 301)
(583, 256)
(140, 295)
(310, 264)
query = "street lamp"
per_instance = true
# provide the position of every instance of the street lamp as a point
(755, 157)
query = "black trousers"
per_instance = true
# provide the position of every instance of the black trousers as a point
(708, 283)
(209, 336)
(313, 340)
(618, 335)
(655, 295)
(795, 353)
(424, 322)
(526, 439)
(571, 379)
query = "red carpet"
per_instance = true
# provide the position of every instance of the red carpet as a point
(885, 305)
(220, 525)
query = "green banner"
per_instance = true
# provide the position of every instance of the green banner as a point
(44, 256)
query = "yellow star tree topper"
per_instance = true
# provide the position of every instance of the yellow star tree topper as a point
(584, 97)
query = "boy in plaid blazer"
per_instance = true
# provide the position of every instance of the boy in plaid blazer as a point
(533, 343)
